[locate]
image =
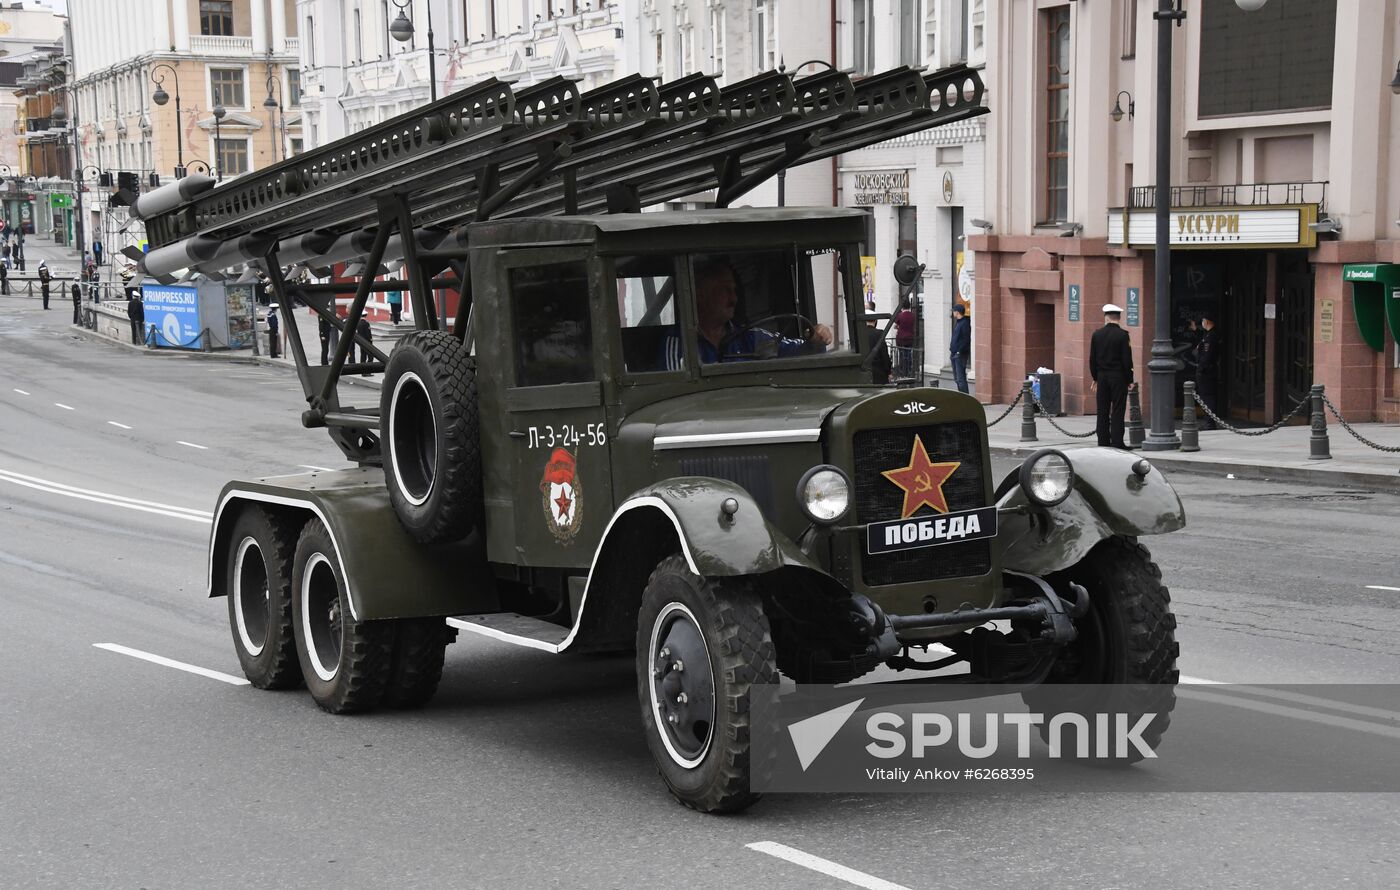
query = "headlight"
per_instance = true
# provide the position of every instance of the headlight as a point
(824, 494)
(1047, 478)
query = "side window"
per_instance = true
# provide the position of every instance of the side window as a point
(646, 311)
(553, 332)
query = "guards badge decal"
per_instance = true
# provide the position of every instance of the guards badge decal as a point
(562, 495)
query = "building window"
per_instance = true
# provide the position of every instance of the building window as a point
(296, 145)
(226, 87)
(232, 156)
(719, 44)
(908, 33)
(357, 53)
(1130, 17)
(293, 87)
(216, 18)
(862, 36)
(760, 35)
(1056, 45)
(311, 41)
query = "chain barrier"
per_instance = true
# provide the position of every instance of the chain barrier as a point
(1225, 425)
(1389, 449)
(1009, 408)
(1051, 420)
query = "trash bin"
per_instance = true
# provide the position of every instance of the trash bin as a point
(1050, 394)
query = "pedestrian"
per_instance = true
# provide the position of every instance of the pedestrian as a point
(44, 281)
(1111, 368)
(77, 304)
(366, 336)
(960, 346)
(1208, 368)
(395, 305)
(273, 332)
(97, 252)
(880, 364)
(904, 323)
(325, 328)
(136, 311)
(93, 288)
(5, 277)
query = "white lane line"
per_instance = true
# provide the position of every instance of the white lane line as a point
(21, 392)
(120, 425)
(100, 497)
(1199, 681)
(1382, 587)
(824, 866)
(170, 662)
(321, 469)
(1298, 698)
(65, 407)
(192, 445)
(1328, 720)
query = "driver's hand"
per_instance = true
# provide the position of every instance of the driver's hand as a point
(821, 334)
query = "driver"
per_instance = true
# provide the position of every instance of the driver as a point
(717, 295)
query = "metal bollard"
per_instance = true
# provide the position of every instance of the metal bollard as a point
(205, 346)
(1027, 413)
(151, 337)
(1190, 430)
(1319, 448)
(1136, 433)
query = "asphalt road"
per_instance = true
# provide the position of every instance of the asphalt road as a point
(529, 770)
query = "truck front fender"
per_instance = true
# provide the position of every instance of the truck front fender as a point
(1108, 499)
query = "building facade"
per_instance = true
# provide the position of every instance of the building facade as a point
(1284, 203)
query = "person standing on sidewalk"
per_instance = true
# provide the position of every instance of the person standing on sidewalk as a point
(904, 323)
(366, 336)
(1208, 368)
(1111, 368)
(273, 331)
(136, 311)
(395, 299)
(960, 346)
(77, 304)
(5, 277)
(44, 281)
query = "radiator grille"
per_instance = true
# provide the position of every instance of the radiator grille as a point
(751, 473)
(878, 499)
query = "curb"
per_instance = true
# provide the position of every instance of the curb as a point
(1254, 472)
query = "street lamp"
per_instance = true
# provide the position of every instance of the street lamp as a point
(782, 174)
(272, 103)
(402, 30)
(1163, 365)
(1117, 112)
(160, 97)
(219, 113)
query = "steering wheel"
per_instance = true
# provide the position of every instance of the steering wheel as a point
(804, 324)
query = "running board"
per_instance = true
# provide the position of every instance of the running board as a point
(519, 630)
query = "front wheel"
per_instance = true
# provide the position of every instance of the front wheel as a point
(701, 647)
(1126, 644)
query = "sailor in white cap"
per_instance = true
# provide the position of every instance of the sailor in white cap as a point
(1111, 367)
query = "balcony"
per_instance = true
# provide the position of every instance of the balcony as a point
(1248, 195)
(221, 46)
(291, 46)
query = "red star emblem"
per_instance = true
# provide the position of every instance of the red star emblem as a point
(922, 481)
(564, 504)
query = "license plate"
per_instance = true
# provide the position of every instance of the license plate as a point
(930, 531)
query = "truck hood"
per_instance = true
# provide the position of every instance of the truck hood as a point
(758, 415)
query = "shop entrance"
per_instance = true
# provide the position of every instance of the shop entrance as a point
(1234, 286)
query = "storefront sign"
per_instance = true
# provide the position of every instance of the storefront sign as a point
(1326, 319)
(1219, 227)
(947, 188)
(1073, 302)
(1133, 307)
(59, 201)
(882, 188)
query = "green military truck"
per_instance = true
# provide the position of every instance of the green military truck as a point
(649, 432)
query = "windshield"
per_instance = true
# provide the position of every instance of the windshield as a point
(783, 303)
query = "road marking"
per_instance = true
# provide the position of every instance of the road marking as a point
(101, 497)
(824, 866)
(1199, 681)
(21, 392)
(192, 445)
(121, 425)
(65, 407)
(1329, 720)
(321, 469)
(170, 662)
(1382, 587)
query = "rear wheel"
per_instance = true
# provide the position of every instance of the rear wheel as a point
(258, 578)
(1126, 644)
(701, 647)
(416, 665)
(431, 437)
(345, 662)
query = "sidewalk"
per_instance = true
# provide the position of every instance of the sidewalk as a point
(1280, 455)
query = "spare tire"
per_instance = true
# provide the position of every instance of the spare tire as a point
(431, 437)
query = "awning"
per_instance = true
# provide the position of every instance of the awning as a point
(1375, 298)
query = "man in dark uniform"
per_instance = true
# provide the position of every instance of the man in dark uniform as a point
(1208, 367)
(5, 274)
(1111, 367)
(136, 311)
(44, 282)
(273, 332)
(77, 304)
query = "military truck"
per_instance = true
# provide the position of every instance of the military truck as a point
(648, 432)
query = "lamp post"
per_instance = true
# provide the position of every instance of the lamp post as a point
(160, 97)
(402, 30)
(272, 103)
(219, 113)
(782, 174)
(1163, 365)
(59, 115)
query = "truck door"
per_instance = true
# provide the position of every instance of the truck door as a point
(554, 410)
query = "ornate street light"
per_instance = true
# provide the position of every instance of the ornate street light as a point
(272, 103)
(782, 174)
(402, 30)
(160, 97)
(219, 113)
